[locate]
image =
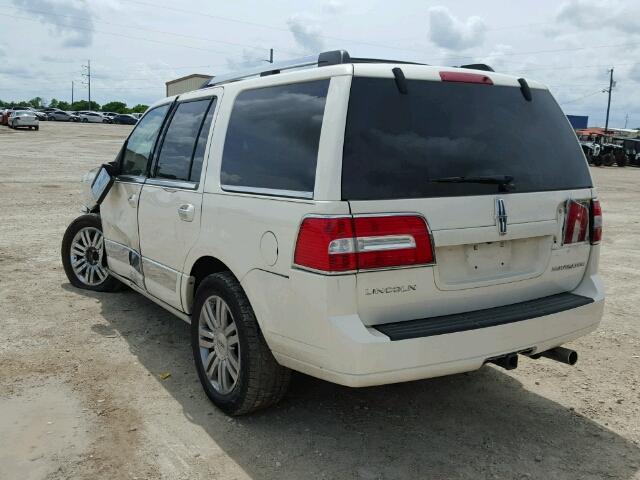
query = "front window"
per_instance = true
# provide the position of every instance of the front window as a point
(141, 142)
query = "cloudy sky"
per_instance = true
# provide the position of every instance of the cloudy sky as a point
(136, 45)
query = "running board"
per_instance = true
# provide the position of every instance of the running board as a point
(490, 317)
(167, 307)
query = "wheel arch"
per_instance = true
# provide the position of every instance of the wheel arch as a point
(203, 266)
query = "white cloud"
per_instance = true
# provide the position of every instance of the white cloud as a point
(333, 7)
(72, 19)
(247, 59)
(306, 32)
(599, 15)
(451, 33)
(634, 73)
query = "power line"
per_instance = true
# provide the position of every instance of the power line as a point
(581, 98)
(164, 32)
(120, 35)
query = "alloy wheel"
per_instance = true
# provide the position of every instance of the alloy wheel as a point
(219, 345)
(87, 253)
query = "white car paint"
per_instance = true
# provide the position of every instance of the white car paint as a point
(323, 325)
(23, 118)
(91, 117)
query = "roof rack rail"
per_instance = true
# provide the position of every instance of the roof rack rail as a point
(383, 60)
(333, 57)
(478, 66)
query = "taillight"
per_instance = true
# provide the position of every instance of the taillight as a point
(576, 222)
(326, 244)
(596, 221)
(342, 244)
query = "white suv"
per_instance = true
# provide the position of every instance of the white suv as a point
(364, 222)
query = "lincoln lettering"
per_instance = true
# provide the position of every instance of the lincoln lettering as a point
(380, 291)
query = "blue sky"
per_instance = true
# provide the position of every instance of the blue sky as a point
(136, 45)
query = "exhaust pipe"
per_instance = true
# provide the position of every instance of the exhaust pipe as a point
(508, 362)
(559, 354)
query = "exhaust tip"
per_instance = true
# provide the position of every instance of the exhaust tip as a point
(560, 354)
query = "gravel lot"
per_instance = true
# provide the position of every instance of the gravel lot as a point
(81, 394)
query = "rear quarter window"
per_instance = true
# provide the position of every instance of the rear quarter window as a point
(272, 139)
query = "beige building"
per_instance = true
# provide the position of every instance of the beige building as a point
(186, 84)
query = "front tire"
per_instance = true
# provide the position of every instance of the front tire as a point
(83, 257)
(236, 367)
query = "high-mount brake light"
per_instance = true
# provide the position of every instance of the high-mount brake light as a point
(344, 244)
(576, 223)
(464, 77)
(596, 222)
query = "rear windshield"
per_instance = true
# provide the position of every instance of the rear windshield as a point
(413, 145)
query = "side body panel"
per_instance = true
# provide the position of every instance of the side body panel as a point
(119, 214)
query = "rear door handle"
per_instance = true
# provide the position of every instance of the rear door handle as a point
(186, 212)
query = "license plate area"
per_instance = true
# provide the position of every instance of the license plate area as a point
(488, 263)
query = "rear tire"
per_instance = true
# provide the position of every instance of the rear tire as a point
(83, 257)
(226, 338)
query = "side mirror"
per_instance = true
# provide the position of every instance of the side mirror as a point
(101, 184)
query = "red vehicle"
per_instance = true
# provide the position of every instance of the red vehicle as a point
(4, 116)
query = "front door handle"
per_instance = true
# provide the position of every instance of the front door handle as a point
(133, 199)
(186, 212)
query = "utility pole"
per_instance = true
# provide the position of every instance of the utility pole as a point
(71, 92)
(606, 123)
(626, 119)
(88, 76)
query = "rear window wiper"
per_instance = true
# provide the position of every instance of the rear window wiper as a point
(505, 182)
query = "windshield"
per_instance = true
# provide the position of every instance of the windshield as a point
(402, 146)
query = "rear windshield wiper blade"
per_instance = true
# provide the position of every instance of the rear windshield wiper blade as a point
(504, 181)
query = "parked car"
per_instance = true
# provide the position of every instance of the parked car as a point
(4, 116)
(632, 150)
(23, 119)
(125, 119)
(137, 116)
(42, 116)
(297, 224)
(109, 116)
(59, 116)
(90, 117)
(74, 116)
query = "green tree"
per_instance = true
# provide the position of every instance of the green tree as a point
(118, 107)
(84, 105)
(36, 102)
(140, 108)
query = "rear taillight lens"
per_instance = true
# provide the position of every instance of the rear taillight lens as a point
(326, 244)
(363, 243)
(576, 223)
(596, 221)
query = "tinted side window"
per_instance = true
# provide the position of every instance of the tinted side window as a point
(273, 136)
(174, 161)
(141, 142)
(198, 155)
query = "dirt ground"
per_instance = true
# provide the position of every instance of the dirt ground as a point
(81, 394)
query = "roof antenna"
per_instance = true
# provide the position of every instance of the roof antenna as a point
(401, 82)
(524, 88)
